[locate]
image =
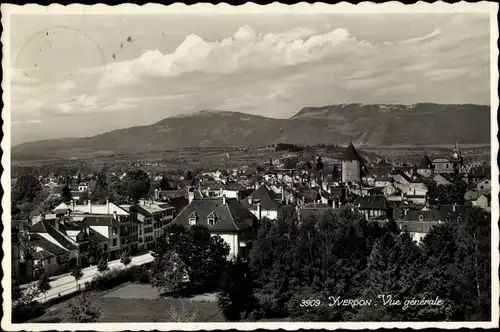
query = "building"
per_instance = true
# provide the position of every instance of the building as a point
(152, 219)
(425, 168)
(228, 218)
(352, 165)
(374, 208)
(263, 203)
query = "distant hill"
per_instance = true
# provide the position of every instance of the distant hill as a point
(365, 125)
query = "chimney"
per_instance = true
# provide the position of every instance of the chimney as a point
(282, 194)
(454, 207)
(107, 205)
(190, 196)
(157, 194)
(333, 203)
(250, 200)
(90, 206)
(72, 205)
(143, 202)
(259, 211)
(223, 199)
(115, 215)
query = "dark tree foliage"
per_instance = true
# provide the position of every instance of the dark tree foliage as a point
(136, 185)
(83, 310)
(43, 284)
(236, 298)
(203, 255)
(342, 255)
(447, 194)
(100, 190)
(66, 194)
(164, 184)
(26, 189)
(125, 258)
(102, 265)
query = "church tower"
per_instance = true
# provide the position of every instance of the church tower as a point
(456, 158)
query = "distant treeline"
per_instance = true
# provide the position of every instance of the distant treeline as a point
(288, 147)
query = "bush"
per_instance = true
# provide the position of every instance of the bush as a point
(115, 277)
(141, 275)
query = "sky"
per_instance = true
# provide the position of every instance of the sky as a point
(82, 75)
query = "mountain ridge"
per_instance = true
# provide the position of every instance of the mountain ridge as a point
(364, 124)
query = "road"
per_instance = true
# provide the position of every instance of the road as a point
(66, 284)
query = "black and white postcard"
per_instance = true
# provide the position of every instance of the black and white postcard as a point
(280, 167)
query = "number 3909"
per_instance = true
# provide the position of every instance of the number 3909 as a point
(310, 303)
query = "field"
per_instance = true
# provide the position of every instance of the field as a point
(216, 158)
(140, 303)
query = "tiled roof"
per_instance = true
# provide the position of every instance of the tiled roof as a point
(373, 202)
(444, 213)
(100, 220)
(268, 199)
(235, 186)
(47, 246)
(44, 226)
(230, 217)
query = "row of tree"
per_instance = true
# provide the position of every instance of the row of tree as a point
(304, 270)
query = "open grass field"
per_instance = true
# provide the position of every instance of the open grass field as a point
(141, 303)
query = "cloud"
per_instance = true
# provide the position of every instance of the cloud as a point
(244, 50)
(66, 86)
(415, 40)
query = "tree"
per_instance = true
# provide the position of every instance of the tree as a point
(25, 189)
(100, 188)
(319, 164)
(236, 298)
(63, 260)
(102, 266)
(168, 272)
(44, 284)
(447, 194)
(125, 258)
(164, 185)
(77, 274)
(82, 310)
(203, 255)
(66, 194)
(136, 184)
(49, 204)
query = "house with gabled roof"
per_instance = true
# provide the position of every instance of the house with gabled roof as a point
(228, 218)
(263, 203)
(374, 207)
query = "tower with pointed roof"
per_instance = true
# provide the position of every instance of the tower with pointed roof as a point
(352, 165)
(456, 158)
(425, 168)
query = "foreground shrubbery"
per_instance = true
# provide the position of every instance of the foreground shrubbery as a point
(293, 264)
(112, 278)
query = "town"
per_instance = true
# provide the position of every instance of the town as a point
(70, 230)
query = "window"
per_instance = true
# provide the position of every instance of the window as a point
(459, 219)
(114, 243)
(421, 217)
(115, 231)
(192, 221)
(211, 221)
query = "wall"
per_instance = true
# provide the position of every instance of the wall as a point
(269, 214)
(232, 240)
(351, 171)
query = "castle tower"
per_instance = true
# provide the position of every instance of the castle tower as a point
(425, 168)
(352, 164)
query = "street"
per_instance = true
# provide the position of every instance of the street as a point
(66, 284)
